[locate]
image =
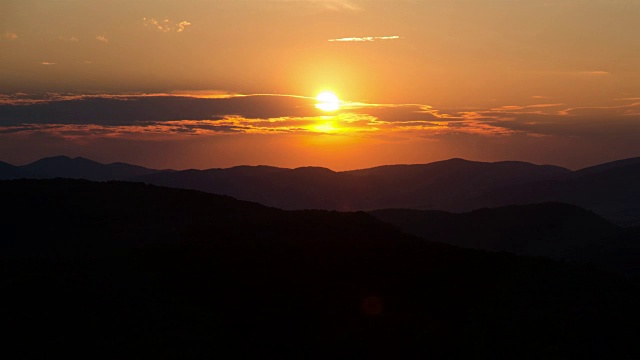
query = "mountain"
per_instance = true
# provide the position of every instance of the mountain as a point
(454, 185)
(611, 190)
(556, 230)
(613, 165)
(81, 168)
(444, 185)
(8, 171)
(145, 270)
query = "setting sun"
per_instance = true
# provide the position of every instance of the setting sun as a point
(328, 101)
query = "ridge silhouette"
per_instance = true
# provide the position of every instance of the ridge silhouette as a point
(454, 185)
(156, 271)
(556, 230)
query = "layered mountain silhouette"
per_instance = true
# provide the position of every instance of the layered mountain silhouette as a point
(131, 268)
(81, 168)
(555, 230)
(8, 171)
(455, 185)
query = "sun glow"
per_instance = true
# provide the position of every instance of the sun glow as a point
(328, 101)
(325, 127)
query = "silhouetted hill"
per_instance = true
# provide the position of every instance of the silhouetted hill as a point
(444, 185)
(454, 185)
(631, 162)
(81, 168)
(301, 188)
(8, 172)
(555, 230)
(611, 190)
(126, 268)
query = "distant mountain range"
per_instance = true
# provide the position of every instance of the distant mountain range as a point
(172, 273)
(72, 168)
(456, 185)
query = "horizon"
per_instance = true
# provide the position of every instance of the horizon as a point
(308, 166)
(340, 84)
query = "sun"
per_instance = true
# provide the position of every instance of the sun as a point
(327, 101)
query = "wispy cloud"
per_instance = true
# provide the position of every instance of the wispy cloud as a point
(365, 39)
(87, 115)
(102, 38)
(525, 107)
(337, 5)
(595, 73)
(166, 25)
(182, 25)
(73, 39)
(78, 116)
(330, 5)
(47, 63)
(632, 109)
(10, 35)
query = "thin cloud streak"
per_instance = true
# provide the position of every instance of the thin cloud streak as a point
(595, 73)
(72, 39)
(328, 5)
(365, 39)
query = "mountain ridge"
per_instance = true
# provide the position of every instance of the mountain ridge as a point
(454, 185)
(556, 230)
(183, 273)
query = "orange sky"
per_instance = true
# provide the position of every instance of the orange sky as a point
(543, 81)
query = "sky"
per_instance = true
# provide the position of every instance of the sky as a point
(218, 83)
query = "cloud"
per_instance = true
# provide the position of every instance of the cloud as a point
(10, 36)
(594, 73)
(365, 39)
(75, 116)
(525, 107)
(182, 26)
(102, 38)
(166, 25)
(69, 39)
(47, 63)
(329, 5)
(134, 109)
(337, 5)
(632, 109)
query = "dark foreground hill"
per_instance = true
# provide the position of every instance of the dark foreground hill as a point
(131, 270)
(555, 230)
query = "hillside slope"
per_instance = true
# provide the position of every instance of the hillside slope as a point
(140, 269)
(560, 231)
